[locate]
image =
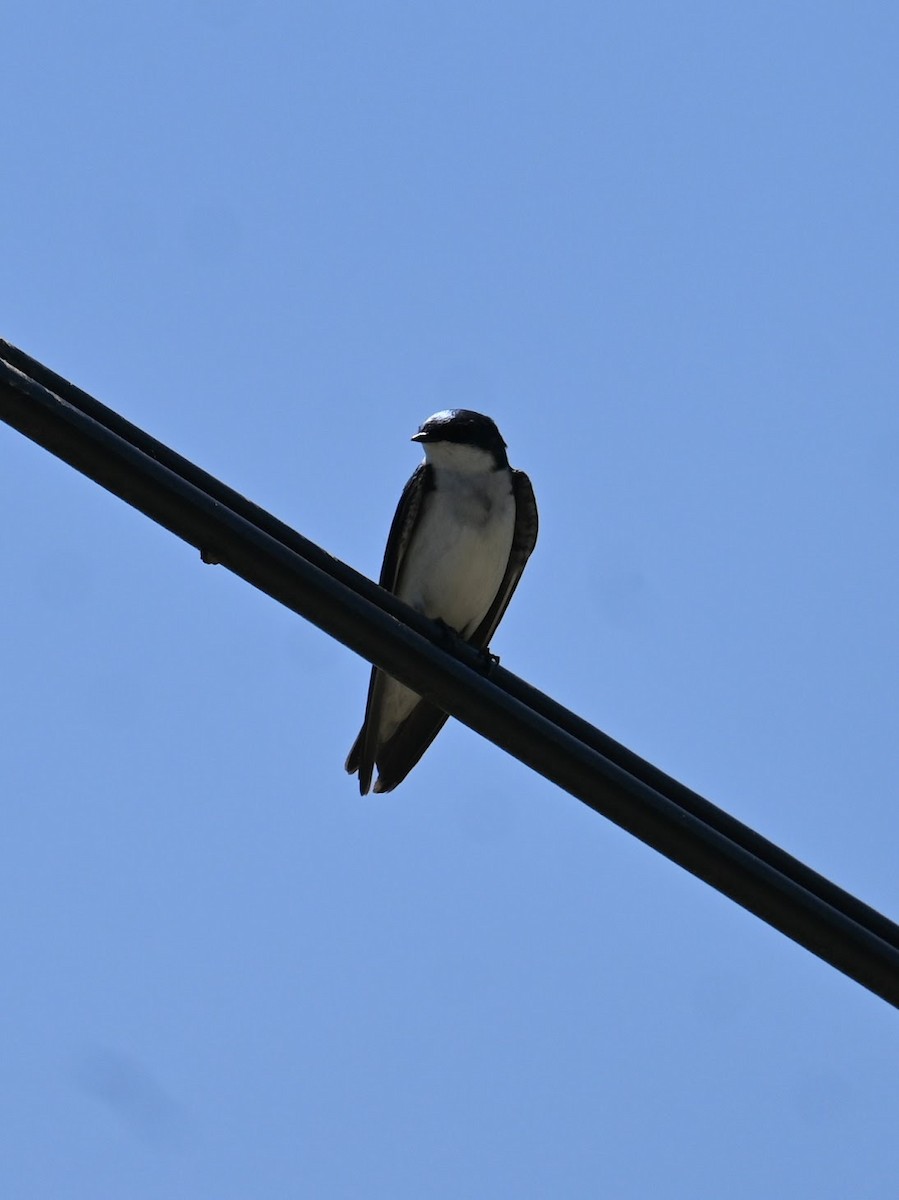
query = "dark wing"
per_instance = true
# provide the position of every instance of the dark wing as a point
(398, 756)
(524, 539)
(420, 483)
(362, 757)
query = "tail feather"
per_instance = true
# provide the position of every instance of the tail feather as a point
(353, 764)
(396, 758)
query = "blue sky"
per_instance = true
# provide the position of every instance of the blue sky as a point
(658, 243)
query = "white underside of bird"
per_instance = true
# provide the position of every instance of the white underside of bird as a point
(456, 560)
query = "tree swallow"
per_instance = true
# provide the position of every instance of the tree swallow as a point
(464, 528)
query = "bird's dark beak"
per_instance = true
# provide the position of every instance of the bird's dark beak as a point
(421, 436)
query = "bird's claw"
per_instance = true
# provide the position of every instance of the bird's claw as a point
(489, 661)
(448, 637)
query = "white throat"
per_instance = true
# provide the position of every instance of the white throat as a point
(465, 460)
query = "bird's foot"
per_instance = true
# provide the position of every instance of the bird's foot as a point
(448, 638)
(488, 661)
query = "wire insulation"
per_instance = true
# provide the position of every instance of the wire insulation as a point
(227, 528)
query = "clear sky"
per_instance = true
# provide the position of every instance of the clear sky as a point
(657, 242)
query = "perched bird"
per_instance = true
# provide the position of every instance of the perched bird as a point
(465, 526)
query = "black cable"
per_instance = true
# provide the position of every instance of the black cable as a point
(805, 906)
(691, 801)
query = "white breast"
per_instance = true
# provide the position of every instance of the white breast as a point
(458, 555)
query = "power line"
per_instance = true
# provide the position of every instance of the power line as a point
(229, 529)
